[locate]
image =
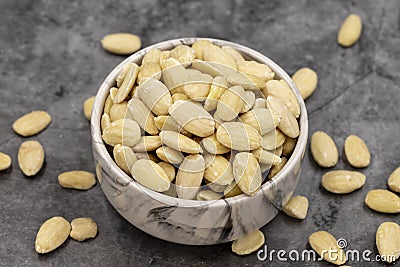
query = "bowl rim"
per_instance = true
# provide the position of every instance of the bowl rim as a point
(122, 177)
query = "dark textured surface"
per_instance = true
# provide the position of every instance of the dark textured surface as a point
(51, 59)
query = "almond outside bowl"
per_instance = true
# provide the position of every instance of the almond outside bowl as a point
(190, 221)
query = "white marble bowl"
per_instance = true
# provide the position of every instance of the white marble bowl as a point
(190, 221)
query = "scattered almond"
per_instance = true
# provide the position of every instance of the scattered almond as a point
(296, 207)
(324, 150)
(83, 228)
(30, 157)
(357, 153)
(31, 123)
(52, 234)
(121, 43)
(249, 243)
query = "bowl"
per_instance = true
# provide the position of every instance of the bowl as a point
(194, 222)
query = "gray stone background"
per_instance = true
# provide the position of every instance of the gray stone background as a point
(51, 59)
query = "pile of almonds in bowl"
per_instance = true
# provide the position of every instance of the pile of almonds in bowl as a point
(200, 122)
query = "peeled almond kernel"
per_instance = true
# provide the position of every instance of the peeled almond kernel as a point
(350, 31)
(121, 43)
(249, 243)
(296, 207)
(357, 153)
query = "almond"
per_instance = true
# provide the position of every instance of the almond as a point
(215, 54)
(123, 131)
(238, 136)
(193, 118)
(249, 99)
(231, 103)
(118, 111)
(357, 153)
(289, 146)
(247, 173)
(142, 115)
(179, 142)
(388, 241)
(248, 82)
(87, 107)
(273, 140)
(232, 190)
(207, 195)
(213, 146)
(124, 157)
(5, 161)
(342, 182)
(184, 54)
(281, 90)
(383, 201)
(83, 228)
(275, 169)
(306, 81)
(147, 173)
(31, 123)
(127, 84)
(296, 207)
(249, 243)
(147, 143)
(156, 96)
(218, 170)
(258, 70)
(167, 123)
(152, 56)
(30, 157)
(326, 246)
(170, 155)
(324, 150)
(393, 181)
(266, 157)
(198, 47)
(52, 234)
(169, 170)
(189, 177)
(233, 53)
(218, 87)
(288, 123)
(149, 70)
(260, 119)
(198, 87)
(350, 31)
(80, 180)
(121, 43)
(174, 75)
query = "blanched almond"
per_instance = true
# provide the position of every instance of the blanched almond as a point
(306, 81)
(215, 54)
(147, 173)
(121, 43)
(179, 142)
(296, 207)
(193, 118)
(248, 82)
(232, 190)
(152, 56)
(233, 53)
(394, 180)
(247, 173)
(281, 90)
(231, 103)
(273, 139)
(288, 123)
(277, 168)
(156, 96)
(323, 242)
(179, 96)
(118, 111)
(342, 182)
(288, 146)
(167, 123)
(147, 143)
(213, 146)
(5, 161)
(105, 121)
(388, 241)
(149, 70)
(207, 68)
(357, 153)
(198, 47)
(127, 84)
(350, 30)
(52, 234)
(383, 201)
(30, 157)
(83, 228)
(238, 136)
(198, 87)
(169, 170)
(260, 119)
(122, 74)
(170, 155)
(31, 123)
(81, 180)
(124, 157)
(189, 177)
(142, 115)
(87, 107)
(124, 132)
(174, 75)
(261, 71)
(184, 54)
(218, 87)
(266, 157)
(249, 99)
(249, 243)
(218, 170)
(207, 195)
(324, 150)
